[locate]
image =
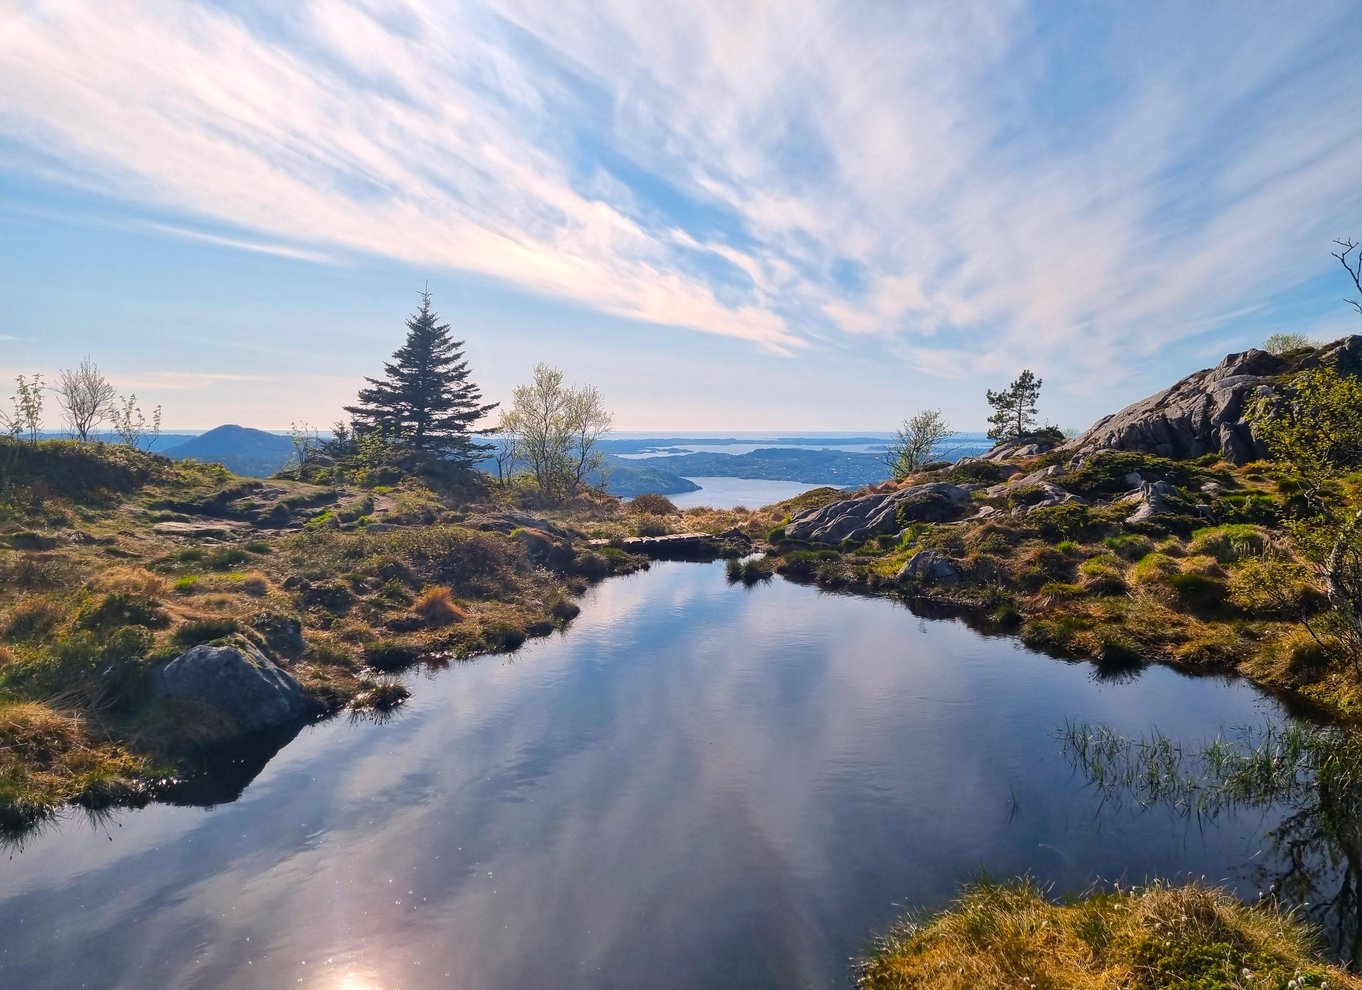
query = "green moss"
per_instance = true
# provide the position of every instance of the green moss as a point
(1229, 543)
(1131, 546)
(1199, 590)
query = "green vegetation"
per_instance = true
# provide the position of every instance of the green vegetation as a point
(1014, 408)
(553, 429)
(999, 936)
(917, 442)
(425, 400)
(114, 561)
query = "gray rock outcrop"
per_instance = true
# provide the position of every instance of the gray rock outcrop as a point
(1206, 412)
(879, 514)
(239, 683)
(929, 567)
(1153, 497)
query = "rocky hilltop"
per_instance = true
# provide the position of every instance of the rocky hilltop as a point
(1206, 412)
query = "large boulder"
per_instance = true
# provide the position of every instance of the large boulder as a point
(237, 682)
(1206, 412)
(879, 514)
(929, 567)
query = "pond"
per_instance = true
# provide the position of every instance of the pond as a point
(696, 785)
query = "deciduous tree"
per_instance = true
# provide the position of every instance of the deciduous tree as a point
(86, 398)
(556, 430)
(27, 418)
(917, 441)
(132, 426)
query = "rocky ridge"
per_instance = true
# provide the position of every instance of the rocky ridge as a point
(1207, 412)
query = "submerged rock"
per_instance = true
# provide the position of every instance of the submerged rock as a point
(879, 514)
(239, 683)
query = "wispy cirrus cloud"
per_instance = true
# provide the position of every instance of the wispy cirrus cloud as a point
(977, 185)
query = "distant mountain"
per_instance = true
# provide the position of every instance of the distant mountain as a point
(627, 479)
(816, 467)
(242, 450)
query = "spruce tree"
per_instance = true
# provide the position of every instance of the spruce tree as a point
(424, 401)
(1014, 408)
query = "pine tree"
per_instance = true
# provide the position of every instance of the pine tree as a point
(1014, 408)
(424, 401)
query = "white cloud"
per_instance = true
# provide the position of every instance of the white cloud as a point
(977, 185)
(242, 243)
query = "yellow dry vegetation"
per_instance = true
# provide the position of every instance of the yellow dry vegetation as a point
(1010, 935)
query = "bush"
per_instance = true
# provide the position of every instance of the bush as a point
(123, 609)
(975, 472)
(1064, 522)
(198, 631)
(1199, 590)
(804, 564)
(653, 505)
(652, 527)
(1105, 473)
(749, 571)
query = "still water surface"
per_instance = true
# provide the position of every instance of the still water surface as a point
(726, 493)
(697, 785)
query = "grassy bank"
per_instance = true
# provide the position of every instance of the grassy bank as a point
(113, 562)
(1212, 585)
(1005, 936)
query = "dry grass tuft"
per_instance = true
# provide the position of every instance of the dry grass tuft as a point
(134, 581)
(255, 584)
(436, 607)
(1011, 935)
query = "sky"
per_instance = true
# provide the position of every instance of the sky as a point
(727, 215)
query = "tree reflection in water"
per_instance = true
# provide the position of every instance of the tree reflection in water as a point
(1312, 772)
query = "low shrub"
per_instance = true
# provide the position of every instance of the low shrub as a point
(123, 609)
(1230, 543)
(1199, 590)
(750, 571)
(804, 564)
(653, 505)
(648, 526)
(34, 617)
(225, 558)
(197, 631)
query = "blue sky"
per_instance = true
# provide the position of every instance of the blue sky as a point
(748, 216)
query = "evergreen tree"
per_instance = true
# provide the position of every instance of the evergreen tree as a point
(424, 401)
(1014, 408)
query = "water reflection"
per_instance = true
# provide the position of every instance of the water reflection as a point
(696, 786)
(1313, 771)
